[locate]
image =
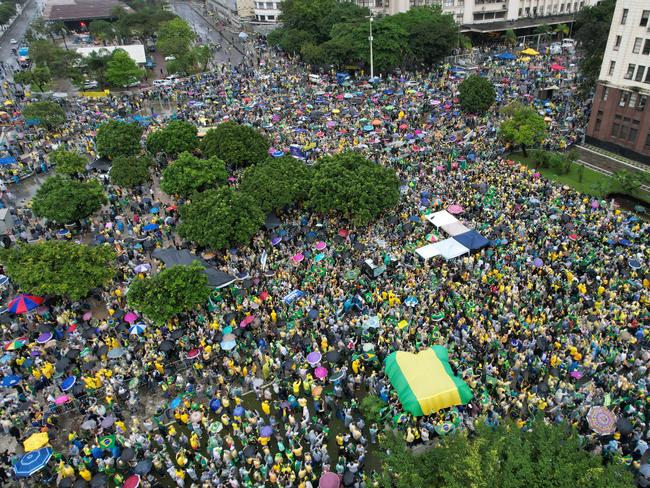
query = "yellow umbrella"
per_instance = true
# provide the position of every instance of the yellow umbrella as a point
(36, 441)
(525, 59)
(529, 52)
(8, 102)
(336, 111)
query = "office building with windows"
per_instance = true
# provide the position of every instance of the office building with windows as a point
(620, 117)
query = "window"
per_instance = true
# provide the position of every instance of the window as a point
(624, 17)
(642, 102)
(634, 132)
(646, 47)
(639, 73)
(630, 71)
(605, 93)
(644, 18)
(633, 96)
(615, 129)
(637, 45)
(562, 8)
(617, 44)
(270, 17)
(612, 65)
(582, 4)
(647, 140)
(623, 133)
(597, 125)
(647, 77)
(622, 101)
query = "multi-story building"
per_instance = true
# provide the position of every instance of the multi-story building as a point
(620, 117)
(478, 15)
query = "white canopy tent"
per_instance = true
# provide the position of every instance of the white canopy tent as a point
(428, 252)
(450, 248)
(441, 218)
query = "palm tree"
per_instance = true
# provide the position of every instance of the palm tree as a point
(561, 30)
(58, 27)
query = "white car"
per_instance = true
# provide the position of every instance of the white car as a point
(90, 84)
(555, 48)
(13, 41)
(170, 58)
(162, 83)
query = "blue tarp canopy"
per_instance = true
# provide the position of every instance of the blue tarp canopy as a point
(472, 240)
(506, 56)
(6, 161)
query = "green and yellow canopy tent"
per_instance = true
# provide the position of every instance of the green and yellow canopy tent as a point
(425, 382)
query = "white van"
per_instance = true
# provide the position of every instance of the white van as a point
(162, 83)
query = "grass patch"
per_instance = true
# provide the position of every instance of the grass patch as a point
(593, 183)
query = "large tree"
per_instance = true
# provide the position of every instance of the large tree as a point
(39, 76)
(130, 171)
(525, 128)
(48, 113)
(117, 138)
(61, 62)
(68, 162)
(189, 174)
(121, 70)
(60, 268)
(237, 145)
(476, 94)
(175, 38)
(354, 186)
(176, 137)
(102, 29)
(505, 456)
(171, 292)
(277, 183)
(65, 201)
(220, 219)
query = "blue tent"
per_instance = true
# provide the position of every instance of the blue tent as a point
(472, 240)
(6, 161)
(507, 56)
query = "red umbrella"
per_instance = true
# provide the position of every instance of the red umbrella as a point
(132, 481)
(194, 353)
(557, 67)
(247, 320)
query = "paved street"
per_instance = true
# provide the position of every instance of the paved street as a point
(17, 30)
(208, 31)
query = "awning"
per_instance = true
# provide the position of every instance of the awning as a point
(450, 248)
(174, 257)
(441, 218)
(455, 229)
(428, 252)
(218, 279)
(472, 240)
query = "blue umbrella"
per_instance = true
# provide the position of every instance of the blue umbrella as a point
(154, 210)
(175, 403)
(238, 411)
(411, 301)
(68, 383)
(414, 218)
(277, 154)
(215, 404)
(150, 227)
(368, 128)
(228, 345)
(11, 380)
(137, 329)
(32, 462)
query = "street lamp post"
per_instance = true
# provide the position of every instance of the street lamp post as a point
(372, 65)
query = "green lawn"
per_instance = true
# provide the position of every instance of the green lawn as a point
(591, 184)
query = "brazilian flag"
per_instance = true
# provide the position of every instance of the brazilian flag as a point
(107, 442)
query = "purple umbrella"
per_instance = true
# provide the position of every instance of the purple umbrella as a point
(276, 240)
(314, 357)
(538, 263)
(44, 337)
(266, 431)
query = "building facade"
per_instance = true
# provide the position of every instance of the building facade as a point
(620, 117)
(465, 12)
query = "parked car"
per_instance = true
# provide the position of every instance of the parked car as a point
(13, 41)
(170, 58)
(134, 82)
(88, 84)
(555, 49)
(162, 83)
(150, 64)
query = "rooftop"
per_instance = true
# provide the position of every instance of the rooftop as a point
(71, 10)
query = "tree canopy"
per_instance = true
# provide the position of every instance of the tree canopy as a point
(525, 128)
(277, 183)
(176, 137)
(68, 162)
(130, 171)
(48, 113)
(121, 70)
(175, 38)
(61, 62)
(117, 138)
(237, 145)
(504, 456)
(39, 76)
(189, 174)
(60, 268)
(591, 30)
(354, 186)
(65, 201)
(171, 292)
(476, 94)
(219, 219)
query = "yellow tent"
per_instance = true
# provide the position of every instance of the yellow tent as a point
(36, 441)
(529, 52)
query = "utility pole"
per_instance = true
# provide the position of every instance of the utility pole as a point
(372, 64)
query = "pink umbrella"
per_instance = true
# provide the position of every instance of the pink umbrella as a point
(320, 372)
(455, 209)
(536, 175)
(440, 168)
(320, 245)
(62, 399)
(576, 374)
(595, 204)
(247, 321)
(132, 481)
(87, 316)
(298, 257)
(130, 317)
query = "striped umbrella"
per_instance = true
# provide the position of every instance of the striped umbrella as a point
(137, 329)
(16, 344)
(33, 462)
(24, 303)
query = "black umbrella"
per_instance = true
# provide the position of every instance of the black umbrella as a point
(166, 346)
(45, 328)
(72, 354)
(143, 467)
(80, 483)
(348, 478)
(624, 426)
(333, 356)
(102, 350)
(99, 481)
(177, 334)
(89, 333)
(66, 483)
(78, 389)
(249, 451)
(62, 364)
(127, 454)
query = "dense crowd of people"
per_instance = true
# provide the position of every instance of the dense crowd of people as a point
(550, 320)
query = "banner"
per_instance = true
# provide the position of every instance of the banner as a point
(293, 296)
